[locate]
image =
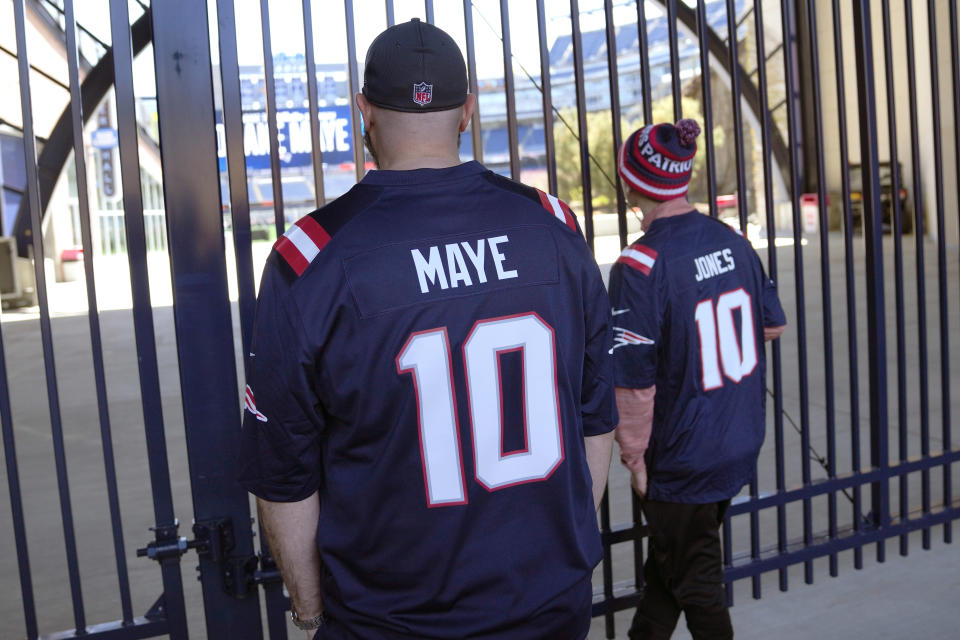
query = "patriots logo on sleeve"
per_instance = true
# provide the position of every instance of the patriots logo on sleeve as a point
(251, 406)
(624, 338)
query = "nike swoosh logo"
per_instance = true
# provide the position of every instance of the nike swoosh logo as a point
(616, 312)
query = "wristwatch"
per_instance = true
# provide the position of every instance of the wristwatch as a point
(307, 625)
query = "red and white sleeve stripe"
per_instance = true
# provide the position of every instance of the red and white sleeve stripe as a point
(639, 257)
(558, 208)
(301, 243)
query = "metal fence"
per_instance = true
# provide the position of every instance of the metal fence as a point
(866, 377)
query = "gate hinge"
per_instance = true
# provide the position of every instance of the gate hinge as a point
(215, 541)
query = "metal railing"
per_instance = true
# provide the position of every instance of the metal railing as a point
(820, 362)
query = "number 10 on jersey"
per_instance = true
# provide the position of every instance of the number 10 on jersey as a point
(719, 344)
(426, 355)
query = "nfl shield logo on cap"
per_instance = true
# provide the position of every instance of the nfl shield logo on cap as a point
(422, 93)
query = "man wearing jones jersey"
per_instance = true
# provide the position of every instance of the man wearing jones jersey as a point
(692, 307)
(430, 407)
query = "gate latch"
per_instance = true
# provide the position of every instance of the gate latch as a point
(214, 540)
(166, 545)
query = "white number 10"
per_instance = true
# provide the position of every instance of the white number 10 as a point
(738, 357)
(426, 355)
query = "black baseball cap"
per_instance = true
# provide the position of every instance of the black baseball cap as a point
(415, 67)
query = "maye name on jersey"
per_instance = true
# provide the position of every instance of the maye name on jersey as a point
(451, 266)
(453, 272)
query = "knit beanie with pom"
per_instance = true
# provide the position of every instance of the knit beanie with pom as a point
(657, 160)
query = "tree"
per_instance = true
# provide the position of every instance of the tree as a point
(602, 166)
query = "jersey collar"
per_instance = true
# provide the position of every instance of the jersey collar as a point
(423, 176)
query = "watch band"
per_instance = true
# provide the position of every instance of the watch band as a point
(307, 625)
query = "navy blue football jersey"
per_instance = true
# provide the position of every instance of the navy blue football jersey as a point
(429, 352)
(690, 302)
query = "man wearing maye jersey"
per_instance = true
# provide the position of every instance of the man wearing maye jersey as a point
(430, 407)
(692, 307)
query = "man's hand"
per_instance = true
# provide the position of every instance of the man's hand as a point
(638, 480)
(633, 433)
(772, 333)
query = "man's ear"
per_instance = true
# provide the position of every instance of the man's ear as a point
(366, 110)
(467, 111)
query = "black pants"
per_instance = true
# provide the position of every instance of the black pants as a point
(683, 572)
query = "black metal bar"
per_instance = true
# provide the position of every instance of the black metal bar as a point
(549, 143)
(627, 596)
(236, 168)
(801, 322)
(674, 59)
(144, 334)
(46, 334)
(607, 569)
(955, 68)
(428, 10)
(16, 499)
(619, 603)
(476, 134)
(755, 535)
(3, 215)
(643, 44)
(850, 272)
(623, 533)
(279, 219)
(737, 114)
(941, 245)
(117, 630)
(919, 233)
(577, 41)
(718, 49)
(638, 529)
(391, 18)
(314, 101)
(727, 558)
(508, 90)
(777, 365)
(702, 32)
(825, 289)
(842, 482)
(242, 240)
(897, 230)
(201, 309)
(359, 159)
(612, 74)
(96, 343)
(873, 233)
(810, 553)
